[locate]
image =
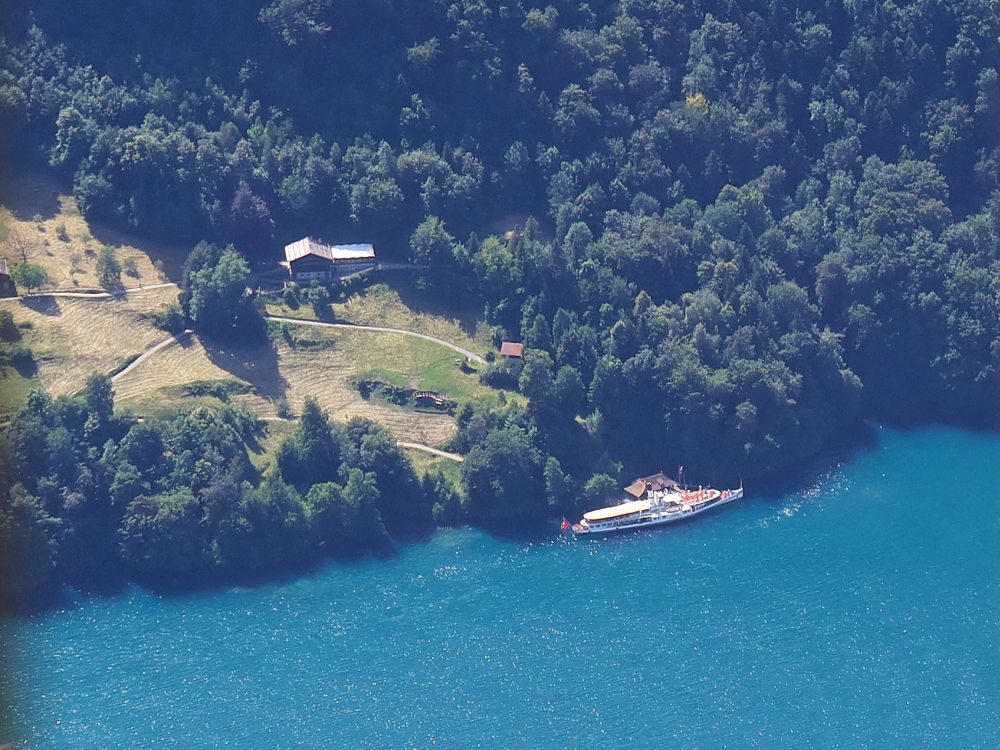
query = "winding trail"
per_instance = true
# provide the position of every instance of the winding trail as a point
(170, 341)
(358, 327)
(149, 353)
(161, 345)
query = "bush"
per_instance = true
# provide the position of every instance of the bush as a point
(220, 389)
(502, 375)
(131, 268)
(170, 318)
(109, 270)
(282, 407)
(319, 297)
(447, 509)
(290, 296)
(8, 329)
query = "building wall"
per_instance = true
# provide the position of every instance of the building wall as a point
(313, 269)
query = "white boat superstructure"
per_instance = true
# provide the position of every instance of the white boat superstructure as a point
(658, 508)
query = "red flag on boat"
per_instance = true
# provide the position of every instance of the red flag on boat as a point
(565, 524)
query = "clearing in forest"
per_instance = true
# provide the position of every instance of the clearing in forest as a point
(323, 364)
(395, 299)
(47, 226)
(72, 339)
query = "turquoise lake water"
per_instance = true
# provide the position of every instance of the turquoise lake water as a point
(858, 609)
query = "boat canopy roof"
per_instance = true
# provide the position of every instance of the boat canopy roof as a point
(615, 511)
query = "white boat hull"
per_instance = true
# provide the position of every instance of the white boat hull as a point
(656, 516)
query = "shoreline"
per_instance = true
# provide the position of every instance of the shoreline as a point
(799, 478)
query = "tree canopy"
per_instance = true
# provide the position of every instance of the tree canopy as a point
(725, 231)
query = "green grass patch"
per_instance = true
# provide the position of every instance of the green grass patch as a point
(395, 379)
(14, 390)
(407, 362)
(427, 463)
(273, 434)
(280, 309)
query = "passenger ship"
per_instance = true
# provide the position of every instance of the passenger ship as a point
(659, 506)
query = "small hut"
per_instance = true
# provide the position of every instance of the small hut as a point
(511, 350)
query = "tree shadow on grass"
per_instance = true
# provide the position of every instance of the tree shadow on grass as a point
(27, 191)
(458, 303)
(43, 305)
(170, 256)
(25, 366)
(254, 360)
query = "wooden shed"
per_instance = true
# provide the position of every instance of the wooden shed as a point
(512, 350)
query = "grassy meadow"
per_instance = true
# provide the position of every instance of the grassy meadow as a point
(426, 463)
(394, 299)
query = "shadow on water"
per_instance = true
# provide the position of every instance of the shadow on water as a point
(800, 477)
(980, 424)
(522, 532)
(40, 602)
(406, 534)
(280, 574)
(527, 533)
(65, 596)
(194, 584)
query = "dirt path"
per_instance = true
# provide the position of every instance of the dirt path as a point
(90, 295)
(457, 457)
(427, 449)
(170, 341)
(149, 353)
(454, 347)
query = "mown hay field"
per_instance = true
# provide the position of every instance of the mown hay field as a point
(383, 305)
(312, 363)
(73, 339)
(177, 365)
(324, 364)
